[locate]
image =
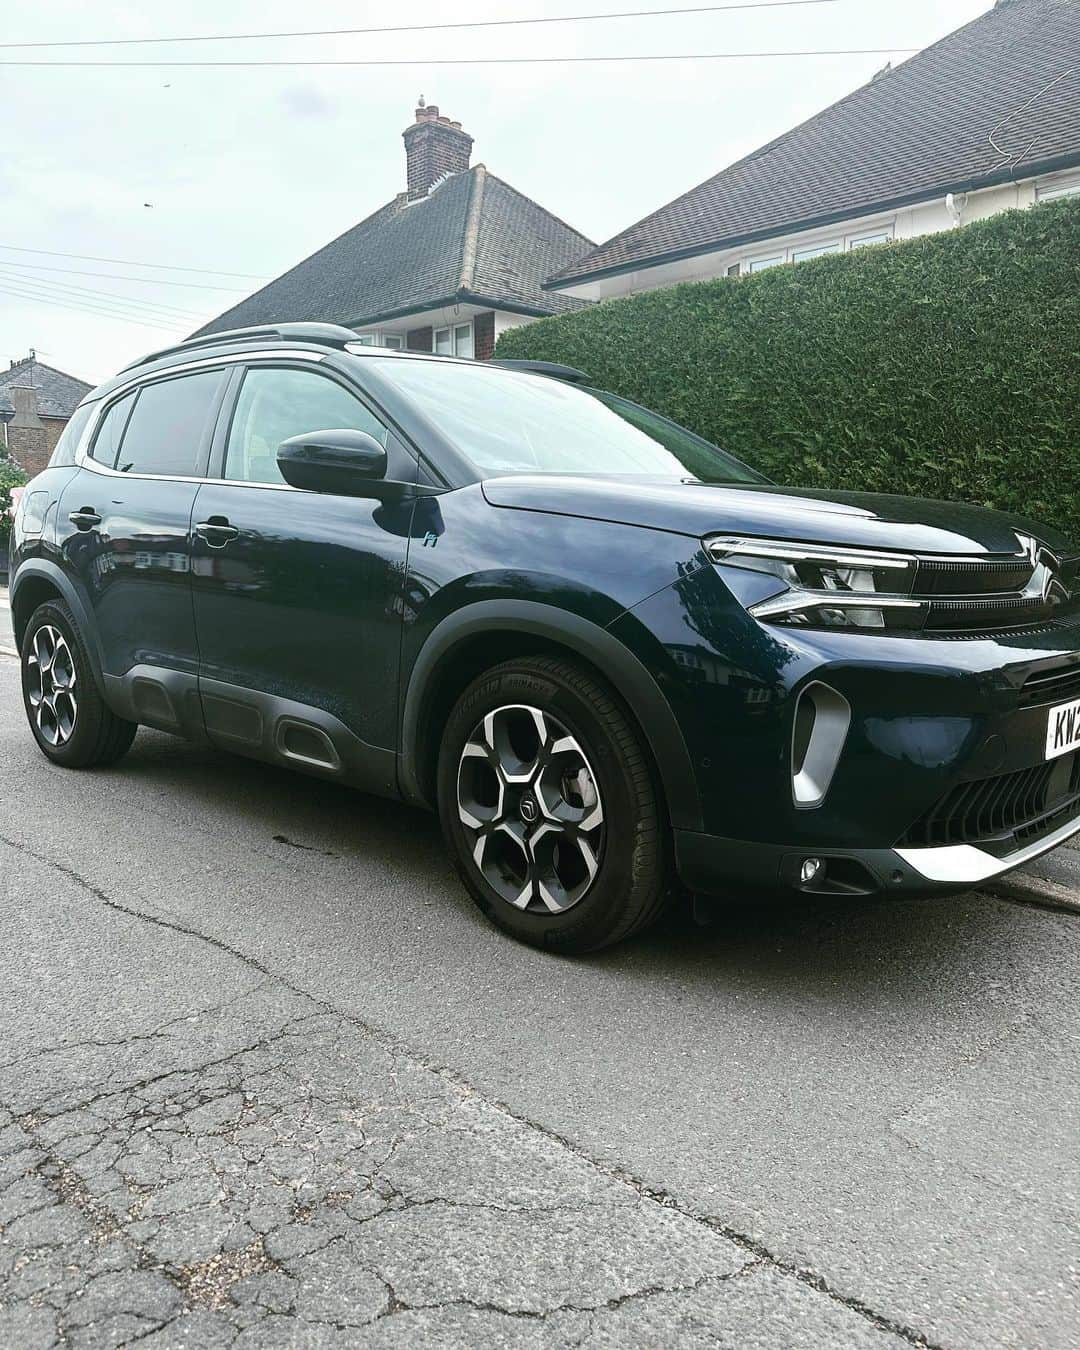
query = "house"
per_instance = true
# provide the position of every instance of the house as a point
(44, 398)
(985, 120)
(446, 266)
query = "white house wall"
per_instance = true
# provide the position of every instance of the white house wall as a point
(929, 217)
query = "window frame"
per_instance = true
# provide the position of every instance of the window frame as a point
(131, 392)
(375, 337)
(69, 440)
(810, 251)
(397, 447)
(202, 454)
(847, 242)
(872, 239)
(1066, 185)
(452, 330)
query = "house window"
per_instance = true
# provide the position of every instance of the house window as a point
(802, 254)
(393, 340)
(454, 341)
(1058, 189)
(763, 264)
(862, 240)
(734, 269)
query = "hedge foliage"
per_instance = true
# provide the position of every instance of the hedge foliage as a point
(946, 366)
(10, 477)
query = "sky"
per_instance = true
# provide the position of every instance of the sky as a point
(246, 171)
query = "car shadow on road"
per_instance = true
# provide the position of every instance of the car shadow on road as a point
(808, 941)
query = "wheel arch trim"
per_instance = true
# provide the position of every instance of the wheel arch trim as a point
(42, 569)
(630, 678)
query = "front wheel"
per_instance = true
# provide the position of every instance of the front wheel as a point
(549, 806)
(70, 720)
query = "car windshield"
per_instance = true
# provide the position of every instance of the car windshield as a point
(507, 422)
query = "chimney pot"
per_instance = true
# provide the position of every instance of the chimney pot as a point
(434, 147)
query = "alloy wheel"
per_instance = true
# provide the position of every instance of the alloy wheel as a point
(50, 686)
(530, 804)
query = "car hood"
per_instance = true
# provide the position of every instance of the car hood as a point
(870, 519)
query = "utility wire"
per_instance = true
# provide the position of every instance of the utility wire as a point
(78, 292)
(479, 60)
(9, 289)
(419, 27)
(102, 307)
(128, 262)
(113, 276)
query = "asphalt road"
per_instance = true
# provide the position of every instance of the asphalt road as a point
(267, 1078)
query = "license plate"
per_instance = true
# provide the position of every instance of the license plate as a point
(1063, 729)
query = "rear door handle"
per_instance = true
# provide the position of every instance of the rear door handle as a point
(85, 518)
(216, 531)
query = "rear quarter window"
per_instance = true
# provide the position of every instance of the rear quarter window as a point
(107, 439)
(63, 455)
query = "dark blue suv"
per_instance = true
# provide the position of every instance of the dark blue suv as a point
(607, 652)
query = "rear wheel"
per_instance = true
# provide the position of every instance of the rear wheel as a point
(70, 720)
(548, 803)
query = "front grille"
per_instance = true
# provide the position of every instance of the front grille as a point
(972, 576)
(1052, 686)
(1006, 611)
(1025, 804)
(1002, 593)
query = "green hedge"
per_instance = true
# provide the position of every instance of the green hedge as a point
(945, 366)
(10, 477)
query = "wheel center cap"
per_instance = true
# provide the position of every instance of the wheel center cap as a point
(529, 809)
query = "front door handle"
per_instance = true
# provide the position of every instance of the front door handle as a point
(216, 531)
(85, 518)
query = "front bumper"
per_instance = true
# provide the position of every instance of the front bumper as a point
(930, 718)
(712, 865)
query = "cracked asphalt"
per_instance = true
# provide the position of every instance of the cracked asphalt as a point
(267, 1079)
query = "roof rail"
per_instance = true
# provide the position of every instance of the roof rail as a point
(548, 368)
(325, 334)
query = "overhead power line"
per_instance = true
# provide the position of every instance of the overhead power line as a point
(114, 276)
(97, 299)
(130, 262)
(131, 302)
(418, 27)
(8, 288)
(478, 60)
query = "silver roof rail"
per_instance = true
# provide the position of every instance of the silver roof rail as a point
(324, 334)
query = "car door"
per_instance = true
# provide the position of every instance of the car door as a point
(125, 519)
(297, 595)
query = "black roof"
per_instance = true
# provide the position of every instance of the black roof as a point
(58, 394)
(997, 100)
(473, 238)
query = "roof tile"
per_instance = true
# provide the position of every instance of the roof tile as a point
(410, 256)
(919, 130)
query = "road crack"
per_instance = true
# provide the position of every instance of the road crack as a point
(759, 1251)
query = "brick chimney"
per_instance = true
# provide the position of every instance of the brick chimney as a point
(434, 147)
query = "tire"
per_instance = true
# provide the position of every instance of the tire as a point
(550, 809)
(68, 717)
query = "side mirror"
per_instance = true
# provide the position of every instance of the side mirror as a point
(341, 461)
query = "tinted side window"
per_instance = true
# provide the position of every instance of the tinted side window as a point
(275, 404)
(166, 430)
(107, 441)
(64, 450)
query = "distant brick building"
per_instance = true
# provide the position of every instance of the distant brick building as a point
(44, 399)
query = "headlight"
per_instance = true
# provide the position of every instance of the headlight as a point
(828, 587)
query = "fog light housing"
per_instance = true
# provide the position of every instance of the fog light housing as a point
(812, 870)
